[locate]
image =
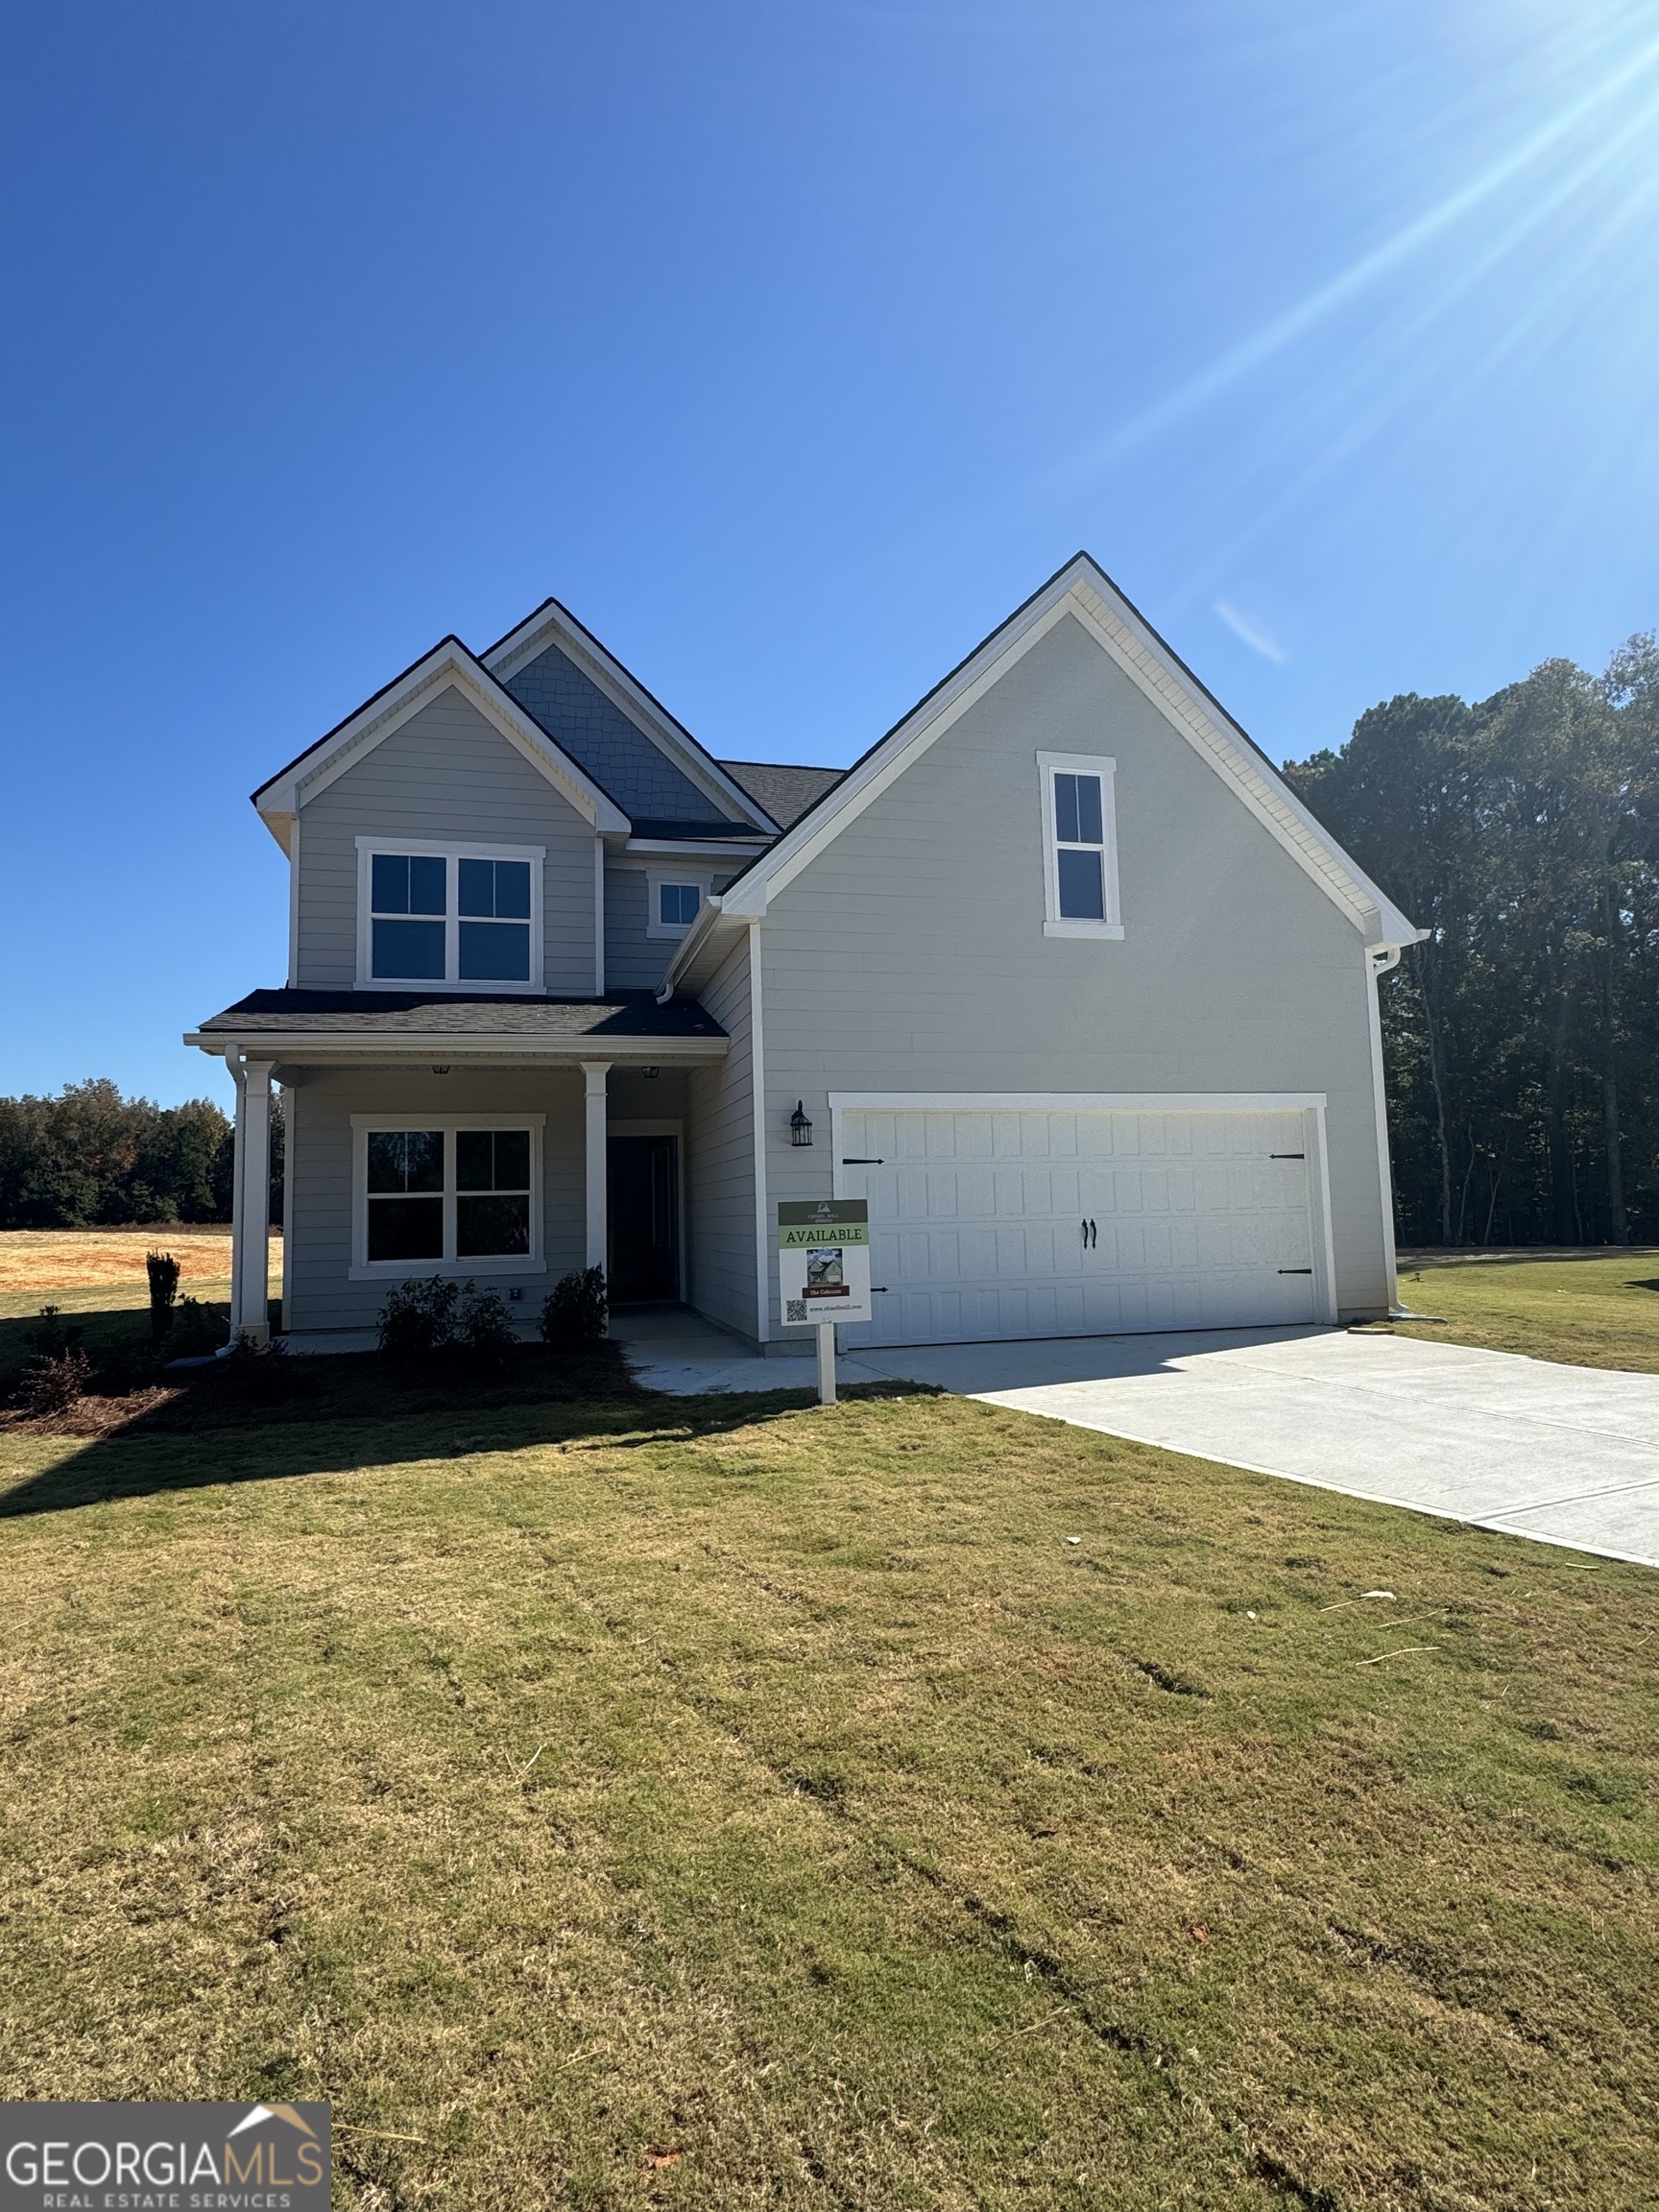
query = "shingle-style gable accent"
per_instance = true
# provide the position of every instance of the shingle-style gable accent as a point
(582, 722)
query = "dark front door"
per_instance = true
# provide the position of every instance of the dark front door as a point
(644, 1200)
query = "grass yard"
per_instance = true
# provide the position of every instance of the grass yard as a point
(732, 1804)
(43, 1263)
(1590, 1308)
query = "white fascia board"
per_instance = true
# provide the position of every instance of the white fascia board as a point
(688, 849)
(447, 666)
(333, 1045)
(1076, 1101)
(1084, 590)
(1143, 655)
(555, 625)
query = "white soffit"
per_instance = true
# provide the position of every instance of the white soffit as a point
(552, 624)
(448, 666)
(1084, 592)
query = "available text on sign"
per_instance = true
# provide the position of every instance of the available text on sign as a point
(823, 1260)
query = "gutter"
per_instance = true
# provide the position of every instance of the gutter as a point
(446, 1045)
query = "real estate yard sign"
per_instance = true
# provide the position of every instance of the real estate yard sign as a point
(823, 1260)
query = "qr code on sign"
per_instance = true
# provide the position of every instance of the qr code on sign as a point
(794, 1308)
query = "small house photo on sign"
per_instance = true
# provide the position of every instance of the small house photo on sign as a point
(822, 1262)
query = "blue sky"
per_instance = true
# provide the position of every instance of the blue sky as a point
(790, 346)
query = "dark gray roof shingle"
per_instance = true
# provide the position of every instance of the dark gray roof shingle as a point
(400, 1013)
(784, 790)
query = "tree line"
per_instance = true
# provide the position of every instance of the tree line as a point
(1522, 1036)
(89, 1157)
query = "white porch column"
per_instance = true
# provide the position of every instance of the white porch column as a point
(233, 1062)
(250, 1256)
(594, 1072)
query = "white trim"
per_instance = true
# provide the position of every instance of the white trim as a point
(758, 1101)
(554, 625)
(1310, 1104)
(1077, 1101)
(250, 1256)
(293, 1048)
(595, 1166)
(365, 1270)
(293, 905)
(1105, 771)
(237, 1072)
(598, 917)
(450, 666)
(1083, 590)
(702, 881)
(733, 855)
(535, 856)
(1376, 967)
(289, 1096)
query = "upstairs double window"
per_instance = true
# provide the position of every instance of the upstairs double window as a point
(455, 916)
(1080, 846)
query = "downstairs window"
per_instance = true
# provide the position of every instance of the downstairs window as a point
(452, 1193)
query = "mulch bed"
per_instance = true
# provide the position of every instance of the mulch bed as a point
(348, 1385)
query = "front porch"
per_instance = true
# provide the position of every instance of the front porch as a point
(515, 1145)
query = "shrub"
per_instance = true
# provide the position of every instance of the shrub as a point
(575, 1315)
(196, 1330)
(53, 1337)
(162, 1270)
(264, 1371)
(484, 1328)
(419, 1318)
(51, 1382)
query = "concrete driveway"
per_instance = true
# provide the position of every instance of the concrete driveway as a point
(1569, 1455)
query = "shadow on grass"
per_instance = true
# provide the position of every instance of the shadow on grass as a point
(163, 1449)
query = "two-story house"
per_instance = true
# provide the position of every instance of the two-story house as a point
(1060, 976)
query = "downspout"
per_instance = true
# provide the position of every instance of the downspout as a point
(1382, 960)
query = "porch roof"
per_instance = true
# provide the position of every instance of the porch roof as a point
(625, 1024)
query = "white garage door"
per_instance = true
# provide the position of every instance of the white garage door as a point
(1055, 1221)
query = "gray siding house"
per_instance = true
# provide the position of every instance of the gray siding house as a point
(1060, 977)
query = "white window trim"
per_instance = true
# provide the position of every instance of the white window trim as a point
(367, 1270)
(451, 980)
(655, 878)
(1055, 923)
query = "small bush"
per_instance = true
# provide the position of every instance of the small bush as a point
(419, 1318)
(264, 1371)
(52, 1336)
(162, 1270)
(51, 1382)
(196, 1330)
(575, 1313)
(484, 1328)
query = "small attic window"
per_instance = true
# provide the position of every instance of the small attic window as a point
(674, 901)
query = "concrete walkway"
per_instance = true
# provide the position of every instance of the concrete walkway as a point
(1568, 1456)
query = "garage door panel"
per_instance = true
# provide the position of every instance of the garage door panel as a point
(975, 1220)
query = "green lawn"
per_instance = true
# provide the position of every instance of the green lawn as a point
(1592, 1308)
(733, 1804)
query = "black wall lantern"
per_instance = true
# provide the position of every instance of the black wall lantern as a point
(800, 1128)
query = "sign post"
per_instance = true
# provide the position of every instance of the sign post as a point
(824, 1272)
